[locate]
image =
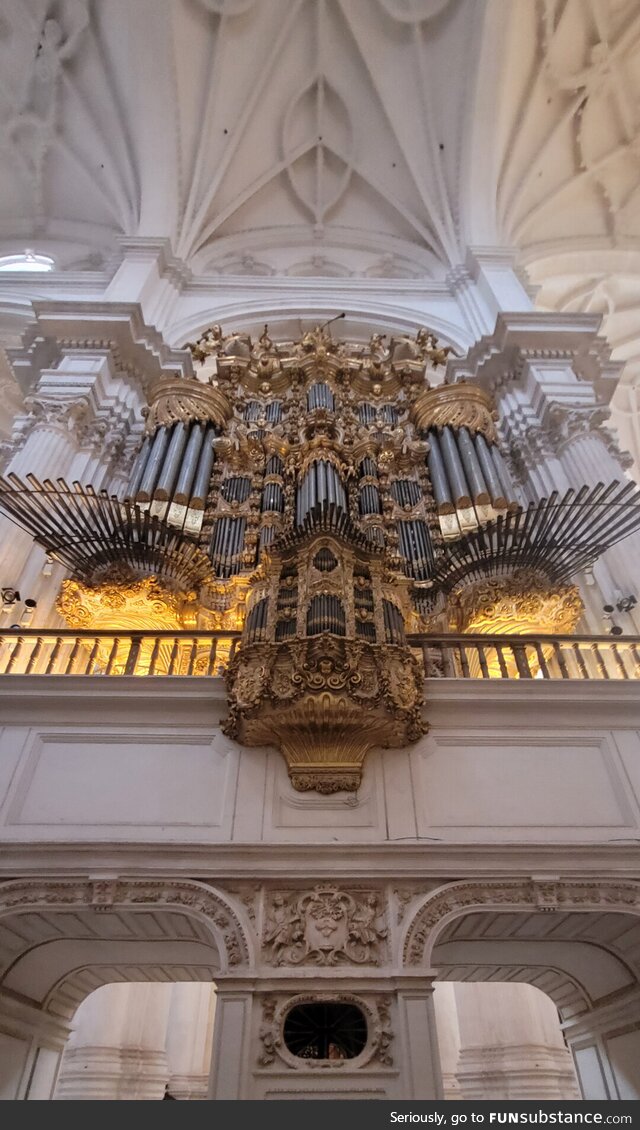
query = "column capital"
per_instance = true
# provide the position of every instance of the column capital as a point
(559, 350)
(64, 331)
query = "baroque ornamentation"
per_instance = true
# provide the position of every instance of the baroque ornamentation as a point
(184, 400)
(324, 701)
(510, 895)
(276, 1007)
(22, 895)
(524, 603)
(456, 406)
(123, 602)
(325, 926)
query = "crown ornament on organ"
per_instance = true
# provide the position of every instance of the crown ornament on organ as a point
(332, 499)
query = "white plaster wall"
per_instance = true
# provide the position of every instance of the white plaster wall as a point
(533, 762)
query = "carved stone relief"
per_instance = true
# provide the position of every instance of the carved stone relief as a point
(377, 1012)
(514, 894)
(325, 926)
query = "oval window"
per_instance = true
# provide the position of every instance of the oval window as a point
(325, 1030)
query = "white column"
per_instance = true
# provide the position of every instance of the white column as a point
(31, 1045)
(446, 1011)
(418, 1042)
(230, 1076)
(511, 1044)
(190, 1039)
(117, 1047)
(605, 1044)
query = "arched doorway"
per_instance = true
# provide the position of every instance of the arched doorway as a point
(578, 941)
(59, 941)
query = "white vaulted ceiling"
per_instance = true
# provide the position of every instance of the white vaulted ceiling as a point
(366, 138)
(311, 137)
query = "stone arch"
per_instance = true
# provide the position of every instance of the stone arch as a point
(442, 905)
(214, 909)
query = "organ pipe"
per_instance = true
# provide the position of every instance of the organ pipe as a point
(492, 480)
(138, 467)
(189, 465)
(203, 472)
(472, 468)
(154, 463)
(171, 463)
(454, 468)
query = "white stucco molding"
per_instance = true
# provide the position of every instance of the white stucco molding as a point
(455, 900)
(521, 340)
(222, 918)
(117, 329)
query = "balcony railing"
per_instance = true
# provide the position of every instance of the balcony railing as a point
(202, 654)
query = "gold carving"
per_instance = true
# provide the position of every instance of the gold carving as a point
(521, 604)
(176, 399)
(456, 406)
(325, 702)
(129, 605)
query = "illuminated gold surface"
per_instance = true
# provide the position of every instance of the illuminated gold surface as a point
(184, 400)
(524, 604)
(456, 406)
(324, 702)
(128, 605)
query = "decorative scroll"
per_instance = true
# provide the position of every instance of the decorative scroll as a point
(184, 400)
(324, 701)
(456, 406)
(521, 604)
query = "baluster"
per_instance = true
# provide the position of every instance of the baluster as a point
(92, 657)
(232, 649)
(72, 657)
(504, 672)
(192, 656)
(582, 667)
(14, 655)
(173, 657)
(521, 658)
(154, 656)
(557, 651)
(600, 661)
(112, 655)
(618, 660)
(55, 651)
(483, 661)
(213, 647)
(462, 655)
(542, 661)
(35, 655)
(448, 665)
(133, 655)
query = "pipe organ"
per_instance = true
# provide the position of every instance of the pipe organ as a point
(333, 499)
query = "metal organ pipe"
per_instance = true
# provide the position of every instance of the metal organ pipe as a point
(154, 463)
(472, 468)
(496, 491)
(454, 468)
(438, 475)
(203, 473)
(189, 465)
(138, 467)
(169, 470)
